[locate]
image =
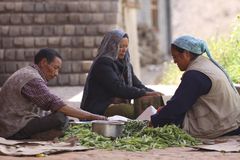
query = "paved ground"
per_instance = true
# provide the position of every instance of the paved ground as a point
(163, 154)
(72, 96)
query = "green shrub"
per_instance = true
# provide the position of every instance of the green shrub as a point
(225, 50)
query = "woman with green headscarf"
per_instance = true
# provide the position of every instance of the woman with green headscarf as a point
(206, 103)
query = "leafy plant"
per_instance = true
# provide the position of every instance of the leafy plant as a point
(225, 50)
(137, 136)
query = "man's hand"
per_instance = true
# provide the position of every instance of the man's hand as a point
(80, 114)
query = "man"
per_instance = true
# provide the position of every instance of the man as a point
(206, 103)
(27, 89)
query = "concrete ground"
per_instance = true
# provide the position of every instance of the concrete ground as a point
(72, 96)
(174, 153)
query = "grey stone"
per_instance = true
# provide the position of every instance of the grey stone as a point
(77, 54)
(26, 30)
(84, 6)
(74, 79)
(3, 78)
(20, 55)
(97, 18)
(80, 29)
(88, 42)
(40, 41)
(29, 54)
(65, 41)
(66, 67)
(110, 18)
(58, 30)
(2, 67)
(22, 64)
(114, 6)
(9, 7)
(1, 54)
(66, 53)
(86, 66)
(50, 7)
(73, 6)
(85, 18)
(61, 7)
(74, 18)
(87, 54)
(4, 18)
(91, 30)
(95, 7)
(53, 82)
(48, 30)
(105, 7)
(18, 6)
(77, 67)
(28, 7)
(18, 42)
(27, 18)
(4, 30)
(63, 79)
(11, 67)
(7, 42)
(28, 42)
(39, 7)
(103, 28)
(14, 31)
(9, 54)
(37, 30)
(98, 40)
(61, 18)
(40, 19)
(69, 30)
(2, 7)
(51, 18)
(83, 78)
(94, 52)
(53, 41)
(77, 41)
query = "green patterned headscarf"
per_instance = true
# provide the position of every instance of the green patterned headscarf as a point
(198, 46)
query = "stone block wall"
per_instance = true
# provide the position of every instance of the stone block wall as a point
(73, 27)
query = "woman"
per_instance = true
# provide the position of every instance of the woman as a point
(111, 79)
(206, 104)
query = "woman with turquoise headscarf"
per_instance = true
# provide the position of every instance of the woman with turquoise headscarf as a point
(206, 103)
(111, 82)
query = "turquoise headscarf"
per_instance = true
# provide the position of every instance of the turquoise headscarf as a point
(198, 46)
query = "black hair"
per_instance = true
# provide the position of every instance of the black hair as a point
(181, 50)
(47, 53)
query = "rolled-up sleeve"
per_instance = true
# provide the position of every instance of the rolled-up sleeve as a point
(38, 93)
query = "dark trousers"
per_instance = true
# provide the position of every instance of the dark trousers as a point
(55, 120)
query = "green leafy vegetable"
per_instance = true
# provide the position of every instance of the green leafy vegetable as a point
(136, 137)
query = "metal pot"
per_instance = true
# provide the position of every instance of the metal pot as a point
(111, 129)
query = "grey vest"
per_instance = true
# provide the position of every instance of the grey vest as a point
(217, 112)
(15, 110)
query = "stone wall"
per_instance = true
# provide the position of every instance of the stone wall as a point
(73, 27)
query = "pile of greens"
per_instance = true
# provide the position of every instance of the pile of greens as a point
(136, 137)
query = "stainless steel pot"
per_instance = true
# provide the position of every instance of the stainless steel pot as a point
(111, 129)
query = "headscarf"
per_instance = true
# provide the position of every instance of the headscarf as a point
(198, 46)
(109, 48)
